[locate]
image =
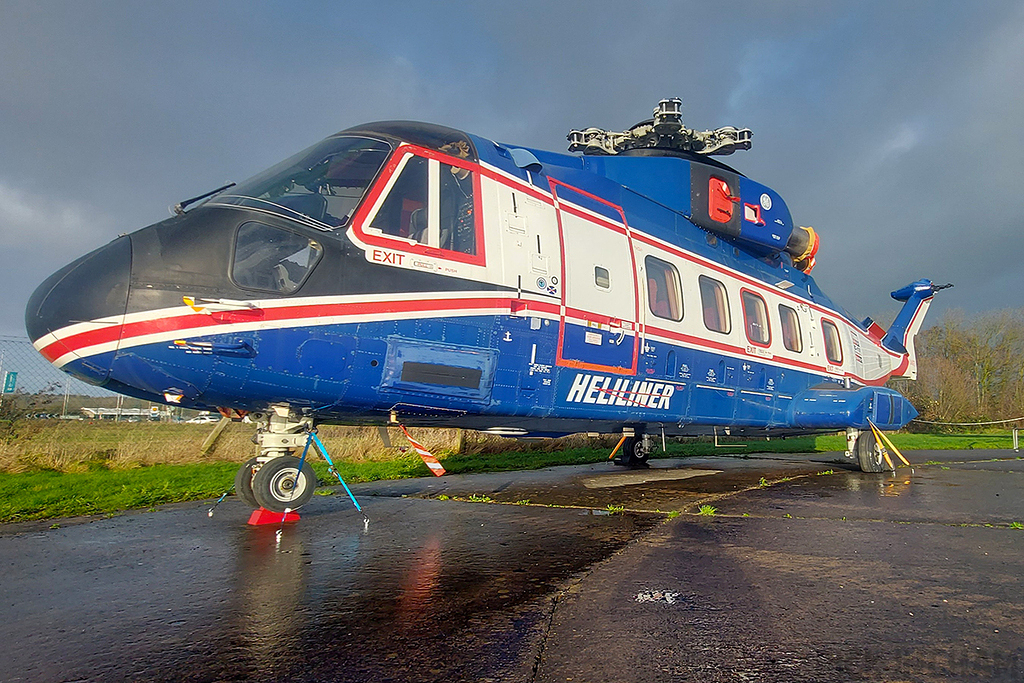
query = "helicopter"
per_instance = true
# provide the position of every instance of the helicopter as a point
(410, 273)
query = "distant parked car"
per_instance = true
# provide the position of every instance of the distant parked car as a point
(203, 420)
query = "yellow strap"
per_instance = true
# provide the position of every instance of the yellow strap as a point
(881, 442)
(889, 443)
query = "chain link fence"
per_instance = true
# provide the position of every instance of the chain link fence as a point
(32, 383)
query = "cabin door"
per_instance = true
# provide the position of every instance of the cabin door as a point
(598, 321)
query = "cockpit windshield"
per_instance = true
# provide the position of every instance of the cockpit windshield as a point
(321, 185)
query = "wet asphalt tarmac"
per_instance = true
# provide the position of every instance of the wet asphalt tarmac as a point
(800, 575)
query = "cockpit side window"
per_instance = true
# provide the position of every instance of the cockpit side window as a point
(432, 203)
(457, 217)
(404, 213)
(272, 260)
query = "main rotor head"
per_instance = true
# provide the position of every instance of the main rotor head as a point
(665, 131)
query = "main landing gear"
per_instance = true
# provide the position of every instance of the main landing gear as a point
(274, 479)
(863, 447)
(635, 450)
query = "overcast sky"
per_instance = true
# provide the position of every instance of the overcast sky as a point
(895, 128)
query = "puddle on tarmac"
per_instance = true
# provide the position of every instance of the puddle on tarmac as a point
(432, 592)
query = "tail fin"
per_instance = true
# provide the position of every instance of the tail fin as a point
(917, 298)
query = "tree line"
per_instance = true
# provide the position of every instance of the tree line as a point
(970, 368)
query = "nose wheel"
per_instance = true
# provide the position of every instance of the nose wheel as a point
(243, 482)
(279, 484)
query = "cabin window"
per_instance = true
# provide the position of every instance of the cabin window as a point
(664, 293)
(715, 302)
(755, 319)
(833, 346)
(272, 259)
(790, 329)
(602, 278)
(404, 212)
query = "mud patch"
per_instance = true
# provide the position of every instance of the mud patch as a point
(605, 481)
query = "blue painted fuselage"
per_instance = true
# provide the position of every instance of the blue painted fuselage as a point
(462, 287)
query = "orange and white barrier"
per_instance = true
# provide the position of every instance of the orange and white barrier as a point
(428, 459)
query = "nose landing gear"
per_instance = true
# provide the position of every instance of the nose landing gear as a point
(276, 480)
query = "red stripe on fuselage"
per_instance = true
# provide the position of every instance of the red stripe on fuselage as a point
(200, 321)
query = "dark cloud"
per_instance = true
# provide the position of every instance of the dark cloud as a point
(890, 127)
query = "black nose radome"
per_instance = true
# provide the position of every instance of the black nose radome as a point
(94, 286)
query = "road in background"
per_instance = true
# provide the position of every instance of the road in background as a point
(800, 575)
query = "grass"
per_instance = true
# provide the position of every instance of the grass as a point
(925, 442)
(707, 510)
(58, 469)
(43, 495)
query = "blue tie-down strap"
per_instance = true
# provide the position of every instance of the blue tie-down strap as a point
(332, 469)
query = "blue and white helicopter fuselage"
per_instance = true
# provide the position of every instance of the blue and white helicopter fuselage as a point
(401, 272)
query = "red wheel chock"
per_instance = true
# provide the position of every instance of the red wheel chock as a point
(263, 516)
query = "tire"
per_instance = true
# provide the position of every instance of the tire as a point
(634, 452)
(639, 454)
(278, 484)
(869, 453)
(243, 482)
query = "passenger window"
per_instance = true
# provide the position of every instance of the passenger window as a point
(602, 278)
(458, 226)
(755, 319)
(715, 302)
(272, 259)
(790, 329)
(404, 212)
(664, 294)
(833, 346)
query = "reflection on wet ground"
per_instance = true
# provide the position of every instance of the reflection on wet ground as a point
(431, 590)
(809, 571)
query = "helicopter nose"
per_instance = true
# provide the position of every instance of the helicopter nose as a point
(85, 291)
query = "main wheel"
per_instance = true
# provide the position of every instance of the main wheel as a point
(243, 482)
(278, 484)
(639, 453)
(869, 453)
(634, 452)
